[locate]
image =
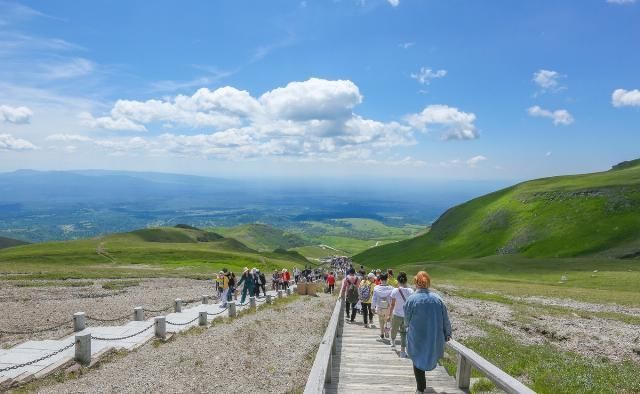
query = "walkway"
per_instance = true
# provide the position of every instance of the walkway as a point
(363, 363)
(47, 355)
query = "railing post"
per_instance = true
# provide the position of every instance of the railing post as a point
(280, 293)
(161, 327)
(178, 305)
(252, 302)
(138, 313)
(83, 348)
(269, 299)
(205, 299)
(463, 373)
(289, 291)
(79, 322)
(232, 309)
(202, 318)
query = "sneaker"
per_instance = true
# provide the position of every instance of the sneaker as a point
(381, 336)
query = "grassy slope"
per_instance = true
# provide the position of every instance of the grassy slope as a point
(553, 217)
(156, 252)
(10, 242)
(262, 237)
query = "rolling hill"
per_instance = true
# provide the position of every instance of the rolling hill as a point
(594, 214)
(163, 251)
(9, 242)
(262, 237)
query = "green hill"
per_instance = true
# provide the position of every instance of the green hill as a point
(164, 251)
(566, 216)
(9, 242)
(262, 237)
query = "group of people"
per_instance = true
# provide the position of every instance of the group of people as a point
(227, 284)
(418, 314)
(280, 279)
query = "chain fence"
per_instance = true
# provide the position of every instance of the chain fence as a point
(128, 315)
(16, 366)
(123, 337)
(217, 313)
(37, 330)
(183, 324)
(158, 310)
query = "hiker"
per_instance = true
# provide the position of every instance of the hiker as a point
(247, 279)
(231, 285)
(331, 282)
(349, 291)
(428, 325)
(391, 280)
(396, 313)
(378, 273)
(275, 278)
(361, 272)
(261, 284)
(225, 288)
(366, 296)
(381, 303)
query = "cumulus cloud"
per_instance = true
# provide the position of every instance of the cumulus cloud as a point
(10, 143)
(625, 98)
(559, 117)
(473, 162)
(548, 80)
(426, 75)
(307, 120)
(457, 125)
(18, 115)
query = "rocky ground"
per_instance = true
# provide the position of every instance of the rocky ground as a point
(257, 352)
(583, 334)
(36, 307)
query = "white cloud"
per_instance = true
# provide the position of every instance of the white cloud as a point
(394, 3)
(308, 120)
(457, 125)
(548, 154)
(548, 80)
(9, 143)
(621, 1)
(426, 75)
(73, 68)
(407, 45)
(625, 98)
(559, 117)
(18, 115)
(473, 162)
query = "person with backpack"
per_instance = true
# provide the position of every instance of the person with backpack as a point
(366, 296)
(331, 282)
(381, 302)
(428, 326)
(396, 313)
(261, 282)
(231, 285)
(349, 292)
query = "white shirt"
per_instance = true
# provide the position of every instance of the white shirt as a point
(398, 310)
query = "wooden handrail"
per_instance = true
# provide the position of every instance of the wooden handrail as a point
(468, 359)
(321, 370)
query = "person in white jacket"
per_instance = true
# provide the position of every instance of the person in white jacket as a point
(381, 302)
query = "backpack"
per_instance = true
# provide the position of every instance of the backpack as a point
(365, 292)
(352, 292)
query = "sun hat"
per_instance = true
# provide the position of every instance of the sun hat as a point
(371, 275)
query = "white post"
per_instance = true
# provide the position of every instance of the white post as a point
(252, 302)
(138, 313)
(232, 308)
(463, 373)
(280, 293)
(178, 305)
(202, 318)
(205, 299)
(269, 299)
(161, 327)
(79, 322)
(83, 348)
(288, 291)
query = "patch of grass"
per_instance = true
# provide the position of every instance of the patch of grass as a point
(119, 285)
(482, 385)
(549, 370)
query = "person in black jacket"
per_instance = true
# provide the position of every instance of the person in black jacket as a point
(248, 280)
(261, 282)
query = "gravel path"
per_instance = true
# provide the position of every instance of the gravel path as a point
(25, 308)
(267, 352)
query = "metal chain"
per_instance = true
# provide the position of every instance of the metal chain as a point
(108, 320)
(37, 360)
(158, 310)
(37, 330)
(217, 313)
(183, 324)
(122, 338)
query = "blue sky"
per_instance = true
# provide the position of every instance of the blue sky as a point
(429, 89)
